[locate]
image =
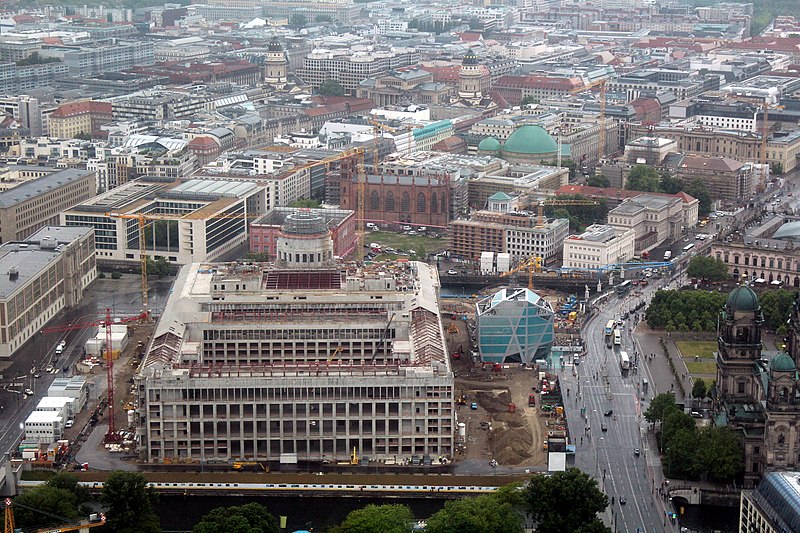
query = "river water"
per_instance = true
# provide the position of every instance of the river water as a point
(180, 513)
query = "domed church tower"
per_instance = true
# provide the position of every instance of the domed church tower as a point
(276, 66)
(469, 78)
(739, 343)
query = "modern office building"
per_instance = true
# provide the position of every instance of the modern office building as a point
(187, 220)
(350, 67)
(599, 246)
(307, 360)
(774, 505)
(38, 202)
(515, 325)
(42, 275)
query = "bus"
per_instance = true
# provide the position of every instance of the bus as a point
(624, 361)
(617, 338)
(609, 328)
(624, 287)
(688, 247)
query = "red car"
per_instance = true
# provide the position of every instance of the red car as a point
(456, 355)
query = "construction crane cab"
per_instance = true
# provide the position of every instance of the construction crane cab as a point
(250, 466)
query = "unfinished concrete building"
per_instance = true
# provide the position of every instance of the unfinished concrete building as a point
(255, 361)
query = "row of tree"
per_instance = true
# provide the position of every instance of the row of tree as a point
(647, 179)
(565, 502)
(685, 310)
(708, 454)
(690, 310)
(580, 216)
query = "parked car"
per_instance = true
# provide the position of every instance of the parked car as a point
(452, 272)
(474, 406)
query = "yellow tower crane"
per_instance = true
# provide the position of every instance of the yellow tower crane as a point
(95, 520)
(601, 85)
(531, 264)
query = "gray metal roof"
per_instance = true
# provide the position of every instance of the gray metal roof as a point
(29, 189)
(28, 262)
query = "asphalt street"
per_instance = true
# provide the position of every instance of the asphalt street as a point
(609, 456)
(122, 296)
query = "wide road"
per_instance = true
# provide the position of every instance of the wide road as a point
(609, 456)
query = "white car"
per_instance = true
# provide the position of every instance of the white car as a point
(406, 228)
(28, 392)
(69, 423)
(452, 272)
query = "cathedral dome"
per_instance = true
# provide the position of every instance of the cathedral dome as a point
(489, 144)
(530, 140)
(742, 298)
(782, 363)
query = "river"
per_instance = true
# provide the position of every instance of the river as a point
(314, 513)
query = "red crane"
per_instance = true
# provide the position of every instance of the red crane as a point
(107, 322)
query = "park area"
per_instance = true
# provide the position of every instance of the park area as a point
(401, 243)
(699, 358)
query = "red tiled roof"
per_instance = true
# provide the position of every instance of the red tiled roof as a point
(614, 192)
(469, 36)
(203, 141)
(78, 108)
(718, 164)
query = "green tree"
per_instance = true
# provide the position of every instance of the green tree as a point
(670, 184)
(660, 407)
(598, 180)
(130, 503)
(323, 18)
(528, 100)
(484, 514)
(248, 518)
(384, 518)
(720, 456)
(709, 268)
(674, 421)
(331, 88)
(306, 202)
(566, 502)
(699, 190)
(776, 306)
(581, 216)
(59, 496)
(699, 388)
(643, 178)
(679, 455)
(298, 20)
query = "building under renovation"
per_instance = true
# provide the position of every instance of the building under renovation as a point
(304, 356)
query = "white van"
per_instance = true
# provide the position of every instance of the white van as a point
(60, 347)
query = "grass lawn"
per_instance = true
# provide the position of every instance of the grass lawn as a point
(701, 368)
(703, 349)
(401, 241)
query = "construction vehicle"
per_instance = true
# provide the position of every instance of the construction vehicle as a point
(107, 322)
(452, 329)
(354, 457)
(94, 520)
(250, 466)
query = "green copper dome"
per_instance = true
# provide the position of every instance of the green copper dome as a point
(489, 144)
(530, 140)
(782, 363)
(742, 298)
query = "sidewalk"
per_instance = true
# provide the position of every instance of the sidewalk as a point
(661, 377)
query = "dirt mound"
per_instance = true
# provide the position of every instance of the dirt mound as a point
(510, 445)
(494, 401)
(512, 420)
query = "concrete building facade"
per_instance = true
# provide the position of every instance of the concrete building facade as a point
(38, 202)
(41, 276)
(342, 358)
(599, 246)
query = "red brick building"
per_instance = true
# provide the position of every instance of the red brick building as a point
(422, 200)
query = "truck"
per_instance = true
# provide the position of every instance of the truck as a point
(667, 255)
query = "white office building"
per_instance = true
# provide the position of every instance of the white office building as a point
(598, 246)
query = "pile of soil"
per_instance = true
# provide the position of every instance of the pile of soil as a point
(494, 401)
(510, 441)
